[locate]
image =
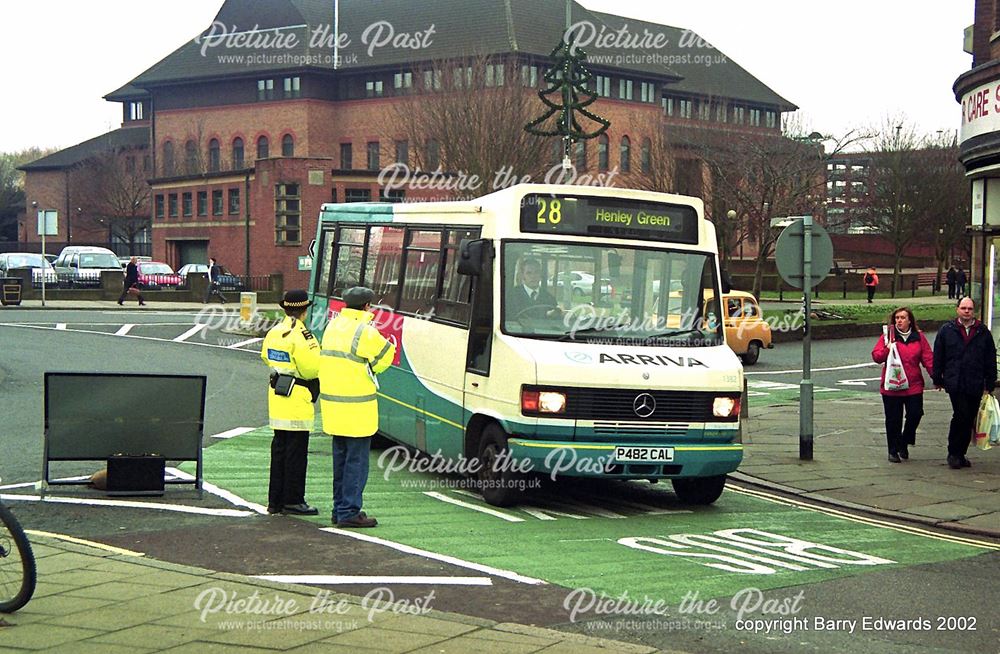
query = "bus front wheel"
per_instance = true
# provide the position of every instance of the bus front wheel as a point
(498, 484)
(699, 490)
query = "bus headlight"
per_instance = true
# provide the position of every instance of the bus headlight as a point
(726, 407)
(542, 402)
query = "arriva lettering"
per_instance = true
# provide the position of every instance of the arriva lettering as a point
(650, 360)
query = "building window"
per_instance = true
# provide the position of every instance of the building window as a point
(625, 89)
(172, 205)
(237, 153)
(684, 108)
(494, 75)
(602, 152)
(357, 195)
(603, 86)
(186, 205)
(402, 80)
(395, 195)
(738, 115)
(263, 148)
(202, 203)
(373, 89)
(645, 156)
(373, 155)
(433, 154)
(168, 158)
(647, 92)
(721, 113)
(287, 146)
(135, 111)
(529, 76)
(345, 156)
(432, 80)
(704, 110)
(287, 215)
(234, 202)
(191, 157)
(213, 156)
(158, 203)
(581, 155)
(291, 87)
(625, 151)
(668, 106)
(403, 151)
(217, 203)
(462, 77)
(770, 119)
(755, 117)
(265, 89)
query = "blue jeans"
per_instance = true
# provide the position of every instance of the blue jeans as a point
(350, 474)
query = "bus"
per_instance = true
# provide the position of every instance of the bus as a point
(616, 368)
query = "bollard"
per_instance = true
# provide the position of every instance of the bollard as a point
(845, 290)
(781, 293)
(892, 292)
(913, 288)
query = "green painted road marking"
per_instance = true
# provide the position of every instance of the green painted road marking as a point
(771, 392)
(611, 537)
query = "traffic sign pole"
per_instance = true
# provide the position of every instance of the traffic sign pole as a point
(806, 387)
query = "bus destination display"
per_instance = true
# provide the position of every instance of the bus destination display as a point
(609, 217)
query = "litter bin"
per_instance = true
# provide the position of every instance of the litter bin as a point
(10, 293)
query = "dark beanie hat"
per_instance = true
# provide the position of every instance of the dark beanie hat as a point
(358, 296)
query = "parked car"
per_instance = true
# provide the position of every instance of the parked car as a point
(40, 267)
(139, 259)
(582, 284)
(82, 265)
(227, 280)
(746, 330)
(155, 275)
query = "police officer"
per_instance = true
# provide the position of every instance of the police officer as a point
(292, 353)
(353, 353)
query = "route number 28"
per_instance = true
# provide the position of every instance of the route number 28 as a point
(549, 213)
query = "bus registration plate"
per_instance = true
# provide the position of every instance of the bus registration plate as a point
(642, 454)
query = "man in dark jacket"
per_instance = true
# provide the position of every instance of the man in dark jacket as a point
(131, 281)
(950, 277)
(965, 365)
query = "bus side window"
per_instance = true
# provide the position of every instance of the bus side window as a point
(325, 252)
(423, 256)
(385, 245)
(453, 305)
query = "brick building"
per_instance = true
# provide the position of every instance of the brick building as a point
(265, 116)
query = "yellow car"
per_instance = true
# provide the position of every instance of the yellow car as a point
(746, 330)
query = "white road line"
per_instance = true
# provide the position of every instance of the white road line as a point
(178, 508)
(124, 329)
(474, 507)
(235, 431)
(230, 497)
(191, 332)
(141, 338)
(81, 541)
(444, 558)
(249, 341)
(362, 579)
(60, 325)
(799, 370)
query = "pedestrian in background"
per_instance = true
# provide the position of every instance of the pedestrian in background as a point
(353, 353)
(871, 283)
(965, 365)
(901, 332)
(292, 354)
(131, 283)
(950, 277)
(960, 280)
(213, 289)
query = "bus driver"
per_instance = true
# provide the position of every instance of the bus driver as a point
(527, 299)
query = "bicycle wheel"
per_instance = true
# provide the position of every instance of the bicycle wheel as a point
(17, 564)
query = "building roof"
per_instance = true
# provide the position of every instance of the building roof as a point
(423, 32)
(125, 137)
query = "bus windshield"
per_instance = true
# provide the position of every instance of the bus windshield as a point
(610, 294)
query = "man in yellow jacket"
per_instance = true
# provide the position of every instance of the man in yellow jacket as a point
(292, 353)
(353, 353)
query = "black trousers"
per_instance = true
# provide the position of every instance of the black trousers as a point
(121, 298)
(964, 409)
(871, 292)
(898, 433)
(289, 457)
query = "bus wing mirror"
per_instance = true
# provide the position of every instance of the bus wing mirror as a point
(727, 282)
(472, 256)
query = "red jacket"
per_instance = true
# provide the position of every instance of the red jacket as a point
(914, 351)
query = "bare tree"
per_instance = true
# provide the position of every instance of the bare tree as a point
(467, 117)
(111, 190)
(12, 187)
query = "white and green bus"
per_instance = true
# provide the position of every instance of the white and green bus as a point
(618, 368)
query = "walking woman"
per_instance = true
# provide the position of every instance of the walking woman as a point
(902, 334)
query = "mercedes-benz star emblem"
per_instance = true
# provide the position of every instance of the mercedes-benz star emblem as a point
(644, 405)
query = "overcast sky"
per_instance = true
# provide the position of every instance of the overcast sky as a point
(845, 64)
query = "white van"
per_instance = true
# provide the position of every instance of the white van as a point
(82, 265)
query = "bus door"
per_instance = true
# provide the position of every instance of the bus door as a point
(480, 346)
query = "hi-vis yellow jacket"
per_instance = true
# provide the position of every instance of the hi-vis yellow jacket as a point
(353, 353)
(291, 349)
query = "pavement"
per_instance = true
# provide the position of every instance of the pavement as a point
(93, 598)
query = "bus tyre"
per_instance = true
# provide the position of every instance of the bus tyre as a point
(699, 490)
(497, 483)
(752, 353)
